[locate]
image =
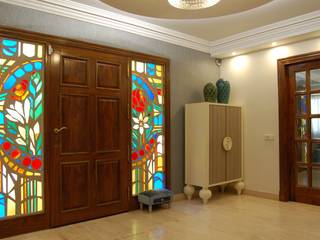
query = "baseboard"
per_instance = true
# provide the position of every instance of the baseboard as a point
(261, 194)
(179, 196)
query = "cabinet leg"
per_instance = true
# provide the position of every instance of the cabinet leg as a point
(205, 194)
(189, 191)
(239, 186)
(150, 208)
(223, 188)
(141, 206)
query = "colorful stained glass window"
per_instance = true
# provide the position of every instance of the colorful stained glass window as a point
(148, 160)
(21, 128)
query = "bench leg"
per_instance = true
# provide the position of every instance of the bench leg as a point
(150, 208)
(141, 206)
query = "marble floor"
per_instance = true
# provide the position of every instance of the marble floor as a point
(226, 217)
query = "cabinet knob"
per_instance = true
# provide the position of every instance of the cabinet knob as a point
(227, 144)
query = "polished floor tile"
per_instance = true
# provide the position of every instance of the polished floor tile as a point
(226, 217)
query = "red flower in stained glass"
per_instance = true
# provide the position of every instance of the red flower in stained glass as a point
(6, 146)
(26, 161)
(15, 154)
(141, 152)
(147, 147)
(134, 156)
(139, 101)
(36, 164)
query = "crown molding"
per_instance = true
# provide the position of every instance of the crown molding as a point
(255, 38)
(242, 42)
(83, 12)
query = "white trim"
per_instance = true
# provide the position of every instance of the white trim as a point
(82, 12)
(292, 27)
(255, 38)
(259, 194)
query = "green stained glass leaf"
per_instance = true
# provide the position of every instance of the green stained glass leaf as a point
(38, 112)
(12, 125)
(36, 78)
(39, 143)
(38, 100)
(39, 87)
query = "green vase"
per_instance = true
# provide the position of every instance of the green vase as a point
(223, 88)
(210, 92)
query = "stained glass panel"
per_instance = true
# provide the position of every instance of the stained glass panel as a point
(148, 160)
(21, 128)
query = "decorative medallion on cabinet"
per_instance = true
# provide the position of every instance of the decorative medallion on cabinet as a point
(213, 148)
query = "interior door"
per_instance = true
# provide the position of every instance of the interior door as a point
(305, 151)
(90, 131)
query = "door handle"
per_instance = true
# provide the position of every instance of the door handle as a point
(58, 130)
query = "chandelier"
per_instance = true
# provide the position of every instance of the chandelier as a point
(193, 4)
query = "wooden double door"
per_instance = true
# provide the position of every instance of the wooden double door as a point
(89, 134)
(224, 166)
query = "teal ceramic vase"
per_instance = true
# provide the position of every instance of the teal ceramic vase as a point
(223, 88)
(210, 92)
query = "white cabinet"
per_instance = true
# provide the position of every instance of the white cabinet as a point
(213, 148)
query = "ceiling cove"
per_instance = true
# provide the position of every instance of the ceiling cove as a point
(162, 9)
(308, 23)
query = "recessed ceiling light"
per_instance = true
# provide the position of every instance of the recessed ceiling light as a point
(274, 44)
(234, 53)
(193, 4)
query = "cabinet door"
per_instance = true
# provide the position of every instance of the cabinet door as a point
(234, 156)
(217, 156)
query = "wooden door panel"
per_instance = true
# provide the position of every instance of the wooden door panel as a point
(108, 75)
(217, 157)
(75, 71)
(107, 181)
(233, 130)
(74, 186)
(108, 124)
(75, 116)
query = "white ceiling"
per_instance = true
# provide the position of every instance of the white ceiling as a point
(212, 29)
(281, 21)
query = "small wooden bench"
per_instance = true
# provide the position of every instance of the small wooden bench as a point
(152, 198)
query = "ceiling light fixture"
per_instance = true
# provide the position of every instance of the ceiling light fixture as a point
(193, 4)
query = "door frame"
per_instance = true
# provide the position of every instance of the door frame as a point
(284, 104)
(6, 226)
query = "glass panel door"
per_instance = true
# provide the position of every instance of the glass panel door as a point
(307, 128)
(315, 127)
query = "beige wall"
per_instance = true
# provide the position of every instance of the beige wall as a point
(253, 79)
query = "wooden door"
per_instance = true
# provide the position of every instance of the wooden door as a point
(89, 109)
(234, 156)
(304, 125)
